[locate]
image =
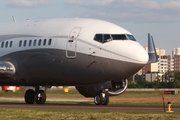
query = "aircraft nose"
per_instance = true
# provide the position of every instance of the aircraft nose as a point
(141, 56)
(138, 54)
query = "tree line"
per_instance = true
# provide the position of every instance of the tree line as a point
(171, 79)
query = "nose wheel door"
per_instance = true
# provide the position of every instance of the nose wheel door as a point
(72, 42)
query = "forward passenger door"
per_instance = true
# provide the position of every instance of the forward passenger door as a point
(72, 42)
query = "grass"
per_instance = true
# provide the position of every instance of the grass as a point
(148, 98)
(133, 98)
(7, 114)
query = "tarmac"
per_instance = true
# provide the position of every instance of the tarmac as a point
(18, 103)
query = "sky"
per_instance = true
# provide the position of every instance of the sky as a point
(161, 18)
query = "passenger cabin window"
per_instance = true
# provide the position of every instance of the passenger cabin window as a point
(2, 44)
(20, 43)
(44, 42)
(30, 42)
(34, 43)
(49, 42)
(6, 44)
(39, 43)
(10, 45)
(25, 43)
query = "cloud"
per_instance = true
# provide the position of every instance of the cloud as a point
(172, 4)
(29, 3)
(130, 10)
(73, 1)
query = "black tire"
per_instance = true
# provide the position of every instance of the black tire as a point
(41, 98)
(98, 99)
(29, 96)
(105, 99)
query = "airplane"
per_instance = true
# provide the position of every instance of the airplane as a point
(93, 55)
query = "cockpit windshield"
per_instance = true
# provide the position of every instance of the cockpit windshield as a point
(119, 37)
(103, 38)
(131, 37)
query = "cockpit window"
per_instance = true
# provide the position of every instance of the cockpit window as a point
(107, 38)
(103, 38)
(119, 37)
(99, 38)
(131, 37)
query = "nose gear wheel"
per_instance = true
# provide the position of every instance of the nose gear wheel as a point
(101, 99)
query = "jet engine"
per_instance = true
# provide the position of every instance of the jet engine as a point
(7, 68)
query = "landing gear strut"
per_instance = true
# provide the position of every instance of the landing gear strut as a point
(101, 99)
(38, 96)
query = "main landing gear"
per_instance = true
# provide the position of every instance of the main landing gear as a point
(37, 95)
(101, 99)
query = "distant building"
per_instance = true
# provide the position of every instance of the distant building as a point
(172, 64)
(160, 52)
(152, 71)
(150, 77)
(176, 51)
(148, 68)
(176, 59)
(164, 64)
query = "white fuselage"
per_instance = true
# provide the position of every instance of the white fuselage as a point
(65, 52)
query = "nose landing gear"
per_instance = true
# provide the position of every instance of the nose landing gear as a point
(41, 97)
(37, 95)
(101, 99)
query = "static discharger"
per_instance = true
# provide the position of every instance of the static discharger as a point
(169, 107)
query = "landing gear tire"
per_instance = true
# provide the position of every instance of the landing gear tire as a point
(41, 97)
(37, 95)
(29, 96)
(98, 99)
(101, 99)
(105, 99)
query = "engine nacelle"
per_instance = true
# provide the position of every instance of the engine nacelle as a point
(113, 88)
(7, 68)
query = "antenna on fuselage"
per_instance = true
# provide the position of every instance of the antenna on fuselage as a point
(14, 19)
